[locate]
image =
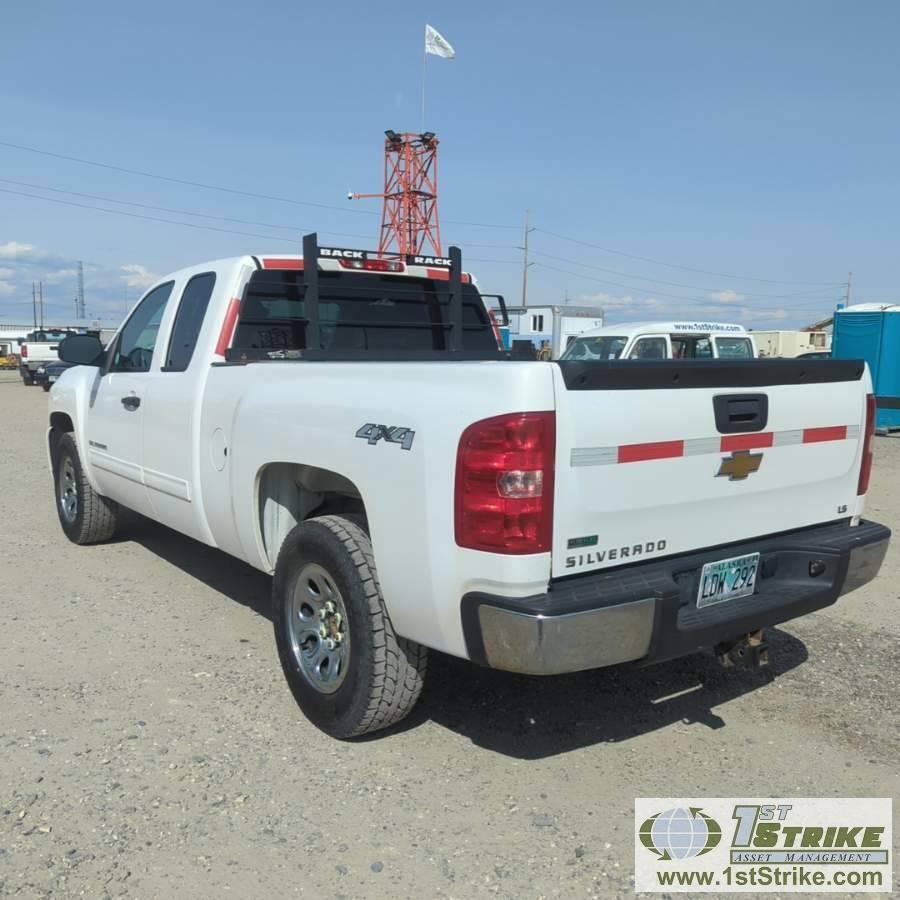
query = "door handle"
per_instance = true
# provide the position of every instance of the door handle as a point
(737, 413)
(132, 401)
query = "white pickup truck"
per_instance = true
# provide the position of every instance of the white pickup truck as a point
(346, 422)
(39, 347)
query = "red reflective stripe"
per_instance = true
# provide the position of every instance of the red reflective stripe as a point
(282, 263)
(818, 435)
(227, 332)
(658, 450)
(444, 275)
(732, 442)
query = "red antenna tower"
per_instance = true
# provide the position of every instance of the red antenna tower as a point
(409, 216)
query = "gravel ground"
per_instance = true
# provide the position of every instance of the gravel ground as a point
(149, 746)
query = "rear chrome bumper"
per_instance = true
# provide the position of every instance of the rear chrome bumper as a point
(648, 612)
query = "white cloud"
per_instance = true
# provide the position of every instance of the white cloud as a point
(6, 274)
(60, 275)
(137, 276)
(6, 289)
(727, 296)
(12, 249)
(635, 307)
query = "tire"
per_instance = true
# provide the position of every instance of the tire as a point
(46, 388)
(27, 378)
(372, 678)
(86, 517)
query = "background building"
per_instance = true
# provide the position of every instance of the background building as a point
(551, 326)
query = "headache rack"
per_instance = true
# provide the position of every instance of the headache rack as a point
(367, 308)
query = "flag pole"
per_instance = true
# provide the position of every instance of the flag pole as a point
(424, 58)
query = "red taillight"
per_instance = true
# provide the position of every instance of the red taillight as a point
(504, 483)
(24, 351)
(374, 265)
(865, 470)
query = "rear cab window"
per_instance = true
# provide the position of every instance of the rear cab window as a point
(358, 312)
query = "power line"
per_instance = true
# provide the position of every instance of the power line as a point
(184, 181)
(344, 209)
(187, 212)
(194, 225)
(218, 187)
(658, 262)
(574, 262)
(699, 301)
(167, 209)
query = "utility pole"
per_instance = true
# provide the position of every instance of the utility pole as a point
(41, 300)
(525, 263)
(849, 288)
(79, 307)
(34, 305)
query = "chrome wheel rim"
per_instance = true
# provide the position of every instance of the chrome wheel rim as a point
(318, 629)
(68, 490)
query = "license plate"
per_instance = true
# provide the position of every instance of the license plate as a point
(727, 579)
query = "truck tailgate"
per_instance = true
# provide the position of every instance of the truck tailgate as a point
(660, 458)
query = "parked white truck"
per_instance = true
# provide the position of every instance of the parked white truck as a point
(346, 422)
(39, 347)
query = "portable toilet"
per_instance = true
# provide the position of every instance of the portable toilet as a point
(871, 332)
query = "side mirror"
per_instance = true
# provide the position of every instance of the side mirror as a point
(81, 350)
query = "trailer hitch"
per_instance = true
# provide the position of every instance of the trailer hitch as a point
(749, 650)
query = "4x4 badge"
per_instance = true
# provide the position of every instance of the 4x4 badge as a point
(739, 465)
(392, 434)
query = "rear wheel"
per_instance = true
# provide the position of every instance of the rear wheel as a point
(27, 377)
(85, 516)
(347, 669)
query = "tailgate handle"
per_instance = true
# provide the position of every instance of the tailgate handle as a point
(736, 413)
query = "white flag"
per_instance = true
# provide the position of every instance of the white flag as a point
(437, 44)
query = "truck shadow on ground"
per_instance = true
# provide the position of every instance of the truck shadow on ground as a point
(524, 717)
(529, 717)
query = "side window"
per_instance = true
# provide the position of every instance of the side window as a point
(734, 348)
(537, 323)
(703, 349)
(188, 319)
(649, 348)
(134, 349)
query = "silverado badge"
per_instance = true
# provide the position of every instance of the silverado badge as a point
(739, 465)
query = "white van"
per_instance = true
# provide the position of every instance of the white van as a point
(664, 340)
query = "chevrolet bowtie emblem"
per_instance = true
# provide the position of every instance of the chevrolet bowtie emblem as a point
(739, 465)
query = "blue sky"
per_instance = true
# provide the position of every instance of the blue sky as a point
(751, 147)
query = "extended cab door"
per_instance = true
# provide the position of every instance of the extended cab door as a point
(115, 415)
(172, 409)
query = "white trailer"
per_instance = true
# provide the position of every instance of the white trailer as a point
(792, 343)
(552, 327)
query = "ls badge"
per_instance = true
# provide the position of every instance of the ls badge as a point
(739, 465)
